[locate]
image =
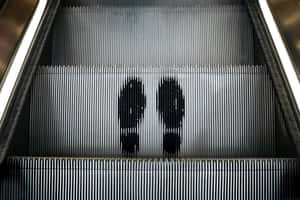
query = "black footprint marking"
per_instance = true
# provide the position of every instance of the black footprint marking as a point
(131, 106)
(171, 106)
(130, 142)
(171, 142)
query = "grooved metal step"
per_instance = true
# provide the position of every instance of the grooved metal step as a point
(59, 178)
(153, 35)
(150, 2)
(213, 111)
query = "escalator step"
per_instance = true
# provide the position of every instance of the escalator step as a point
(213, 111)
(150, 2)
(149, 35)
(50, 178)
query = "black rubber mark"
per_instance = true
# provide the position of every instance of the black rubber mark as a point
(132, 102)
(171, 103)
(131, 106)
(171, 142)
(130, 142)
(171, 106)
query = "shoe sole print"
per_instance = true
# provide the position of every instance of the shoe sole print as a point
(131, 107)
(171, 107)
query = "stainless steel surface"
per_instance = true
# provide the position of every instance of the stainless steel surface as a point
(153, 35)
(149, 2)
(88, 179)
(229, 111)
(74, 112)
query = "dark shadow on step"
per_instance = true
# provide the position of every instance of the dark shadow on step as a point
(290, 184)
(11, 185)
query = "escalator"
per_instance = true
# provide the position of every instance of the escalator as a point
(131, 99)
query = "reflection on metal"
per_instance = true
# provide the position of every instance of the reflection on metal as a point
(29, 34)
(19, 21)
(14, 19)
(287, 16)
(283, 21)
(15, 40)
